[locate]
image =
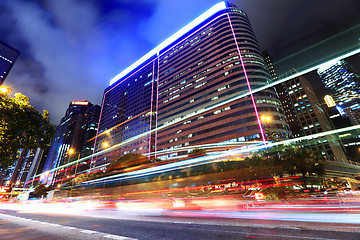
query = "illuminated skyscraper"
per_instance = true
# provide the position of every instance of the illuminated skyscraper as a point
(8, 56)
(75, 131)
(306, 116)
(343, 83)
(191, 90)
(270, 65)
(27, 166)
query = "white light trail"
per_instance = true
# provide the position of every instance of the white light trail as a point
(207, 159)
(357, 51)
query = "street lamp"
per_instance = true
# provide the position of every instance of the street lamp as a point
(266, 120)
(105, 144)
(5, 90)
(71, 151)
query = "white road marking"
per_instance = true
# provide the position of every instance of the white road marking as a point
(88, 231)
(68, 227)
(118, 237)
(54, 225)
(288, 227)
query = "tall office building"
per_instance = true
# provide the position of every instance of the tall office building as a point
(6, 174)
(76, 131)
(27, 167)
(192, 90)
(306, 116)
(270, 65)
(343, 83)
(8, 56)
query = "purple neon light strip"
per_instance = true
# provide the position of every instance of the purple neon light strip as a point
(157, 95)
(157, 101)
(151, 104)
(248, 83)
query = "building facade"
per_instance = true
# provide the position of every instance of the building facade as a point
(343, 83)
(8, 56)
(27, 166)
(194, 89)
(270, 65)
(306, 116)
(74, 138)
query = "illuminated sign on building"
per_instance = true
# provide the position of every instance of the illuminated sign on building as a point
(329, 101)
(79, 103)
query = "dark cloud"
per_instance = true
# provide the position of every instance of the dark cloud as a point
(70, 49)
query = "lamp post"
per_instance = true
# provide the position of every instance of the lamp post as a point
(266, 120)
(71, 152)
(5, 90)
(77, 163)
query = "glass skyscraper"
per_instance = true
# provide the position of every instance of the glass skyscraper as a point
(76, 131)
(8, 56)
(193, 90)
(343, 83)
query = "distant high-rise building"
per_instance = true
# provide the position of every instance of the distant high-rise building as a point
(192, 90)
(8, 56)
(76, 131)
(343, 83)
(27, 167)
(306, 116)
(270, 65)
(6, 174)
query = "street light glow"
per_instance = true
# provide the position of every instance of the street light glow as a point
(5, 90)
(266, 118)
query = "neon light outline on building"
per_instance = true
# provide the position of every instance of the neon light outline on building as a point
(216, 8)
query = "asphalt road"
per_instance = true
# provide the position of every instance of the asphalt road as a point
(19, 225)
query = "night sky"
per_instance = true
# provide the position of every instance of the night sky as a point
(70, 49)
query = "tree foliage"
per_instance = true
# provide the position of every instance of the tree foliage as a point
(21, 127)
(276, 162)
(40, 191)
(197, 152)
(127, 160)
(305, 162)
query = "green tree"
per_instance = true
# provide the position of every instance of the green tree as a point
(258, 166)
(127, 160)
(21, 127)
(305, 161)
(197, 152)
(268, 163)
(40, 191)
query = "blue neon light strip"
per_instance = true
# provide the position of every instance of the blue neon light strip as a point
(216, 8)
